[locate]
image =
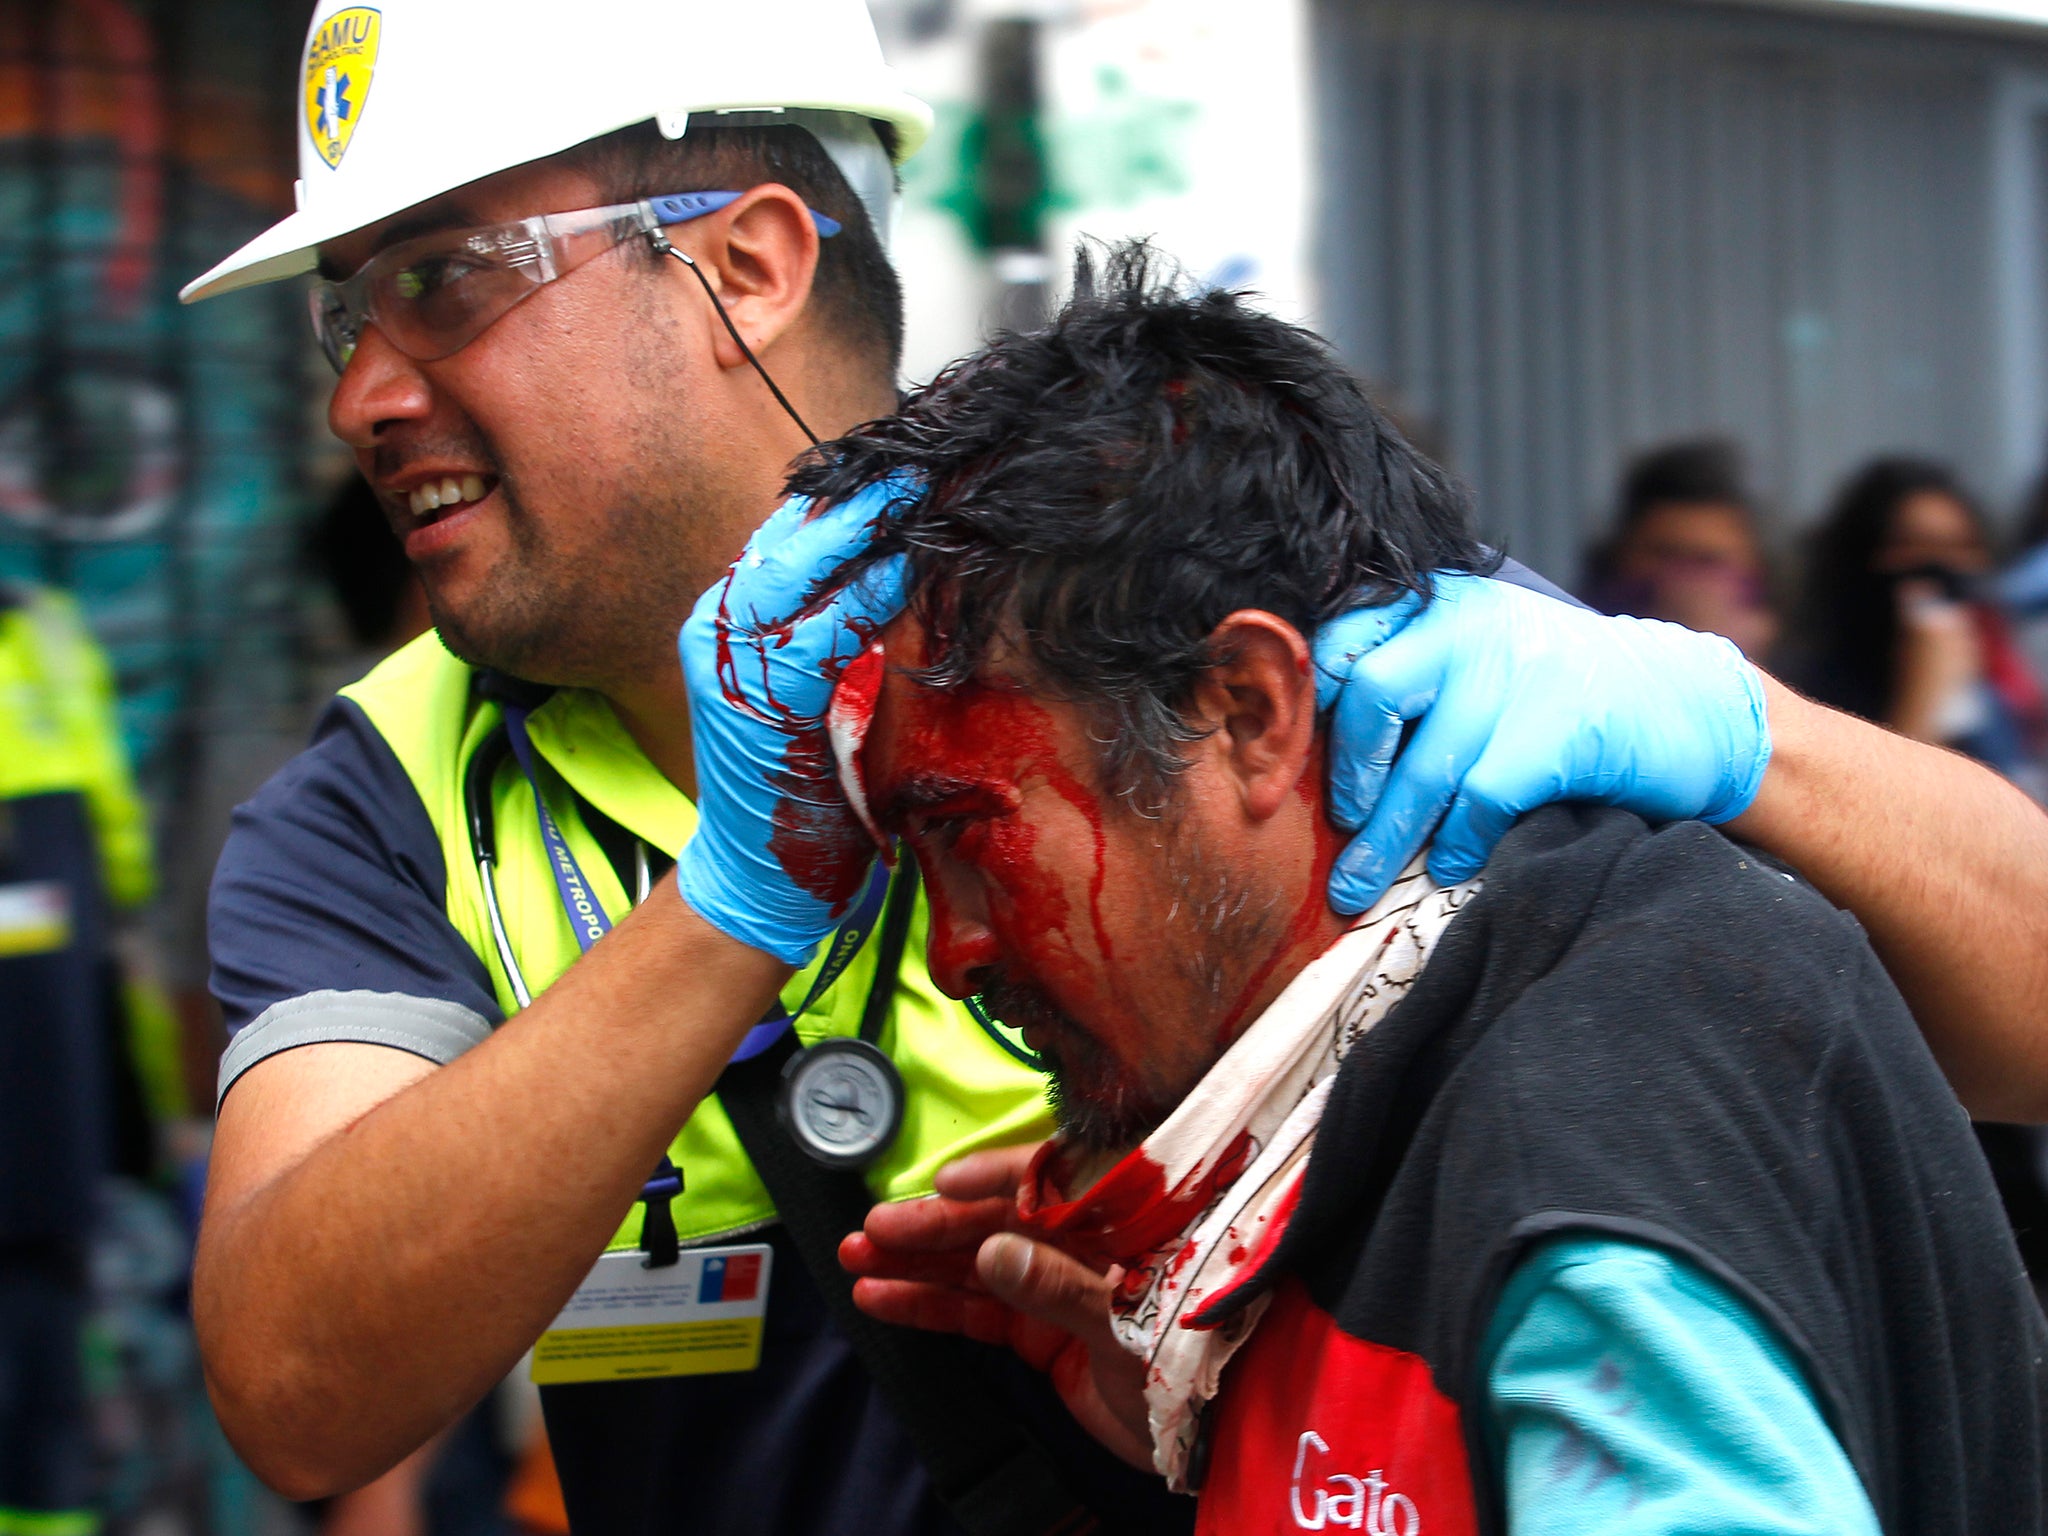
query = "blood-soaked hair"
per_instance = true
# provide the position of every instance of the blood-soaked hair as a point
(1097, 496)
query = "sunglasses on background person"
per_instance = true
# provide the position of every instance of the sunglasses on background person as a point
(433, 295)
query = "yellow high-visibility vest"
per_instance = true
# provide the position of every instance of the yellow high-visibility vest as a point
(963, 1091)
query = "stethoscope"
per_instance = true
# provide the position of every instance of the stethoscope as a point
(483, 849)
(840, 1098)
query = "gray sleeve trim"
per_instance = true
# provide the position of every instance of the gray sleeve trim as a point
(425, 1026)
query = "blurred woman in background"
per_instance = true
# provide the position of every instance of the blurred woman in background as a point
(1899, 625)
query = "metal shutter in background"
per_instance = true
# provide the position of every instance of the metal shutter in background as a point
(1559, 232)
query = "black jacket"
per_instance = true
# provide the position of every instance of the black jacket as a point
(1663, 1037)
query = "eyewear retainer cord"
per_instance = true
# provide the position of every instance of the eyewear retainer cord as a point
(662, 247)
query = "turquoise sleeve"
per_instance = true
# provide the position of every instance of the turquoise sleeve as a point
(1631, 1394)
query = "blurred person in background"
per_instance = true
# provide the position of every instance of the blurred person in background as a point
(1685, 546)
(74, 853)
(1901, 626)
(358, 559)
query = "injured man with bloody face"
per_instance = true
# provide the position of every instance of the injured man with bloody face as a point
(1613, 1190)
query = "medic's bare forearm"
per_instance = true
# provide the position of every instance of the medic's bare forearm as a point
(369, 1292)
(1946, 866)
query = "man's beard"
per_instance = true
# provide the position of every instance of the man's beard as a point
(1096, 1103)
(611, 614)
(1219, 925)
(504, 626)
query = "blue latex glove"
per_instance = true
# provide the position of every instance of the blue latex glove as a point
(1523, 700)
(778, 855)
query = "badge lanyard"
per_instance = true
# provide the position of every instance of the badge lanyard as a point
(589, 921)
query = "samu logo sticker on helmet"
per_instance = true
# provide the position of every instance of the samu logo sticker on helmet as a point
(340, 56)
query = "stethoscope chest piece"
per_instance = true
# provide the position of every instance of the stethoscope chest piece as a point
(842, 1102)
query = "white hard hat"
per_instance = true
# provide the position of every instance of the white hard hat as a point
(403, 101)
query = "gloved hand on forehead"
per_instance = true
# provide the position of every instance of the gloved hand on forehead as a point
(1521, 700)
(778, 853)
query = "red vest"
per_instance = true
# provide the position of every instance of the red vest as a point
(1315, 1430)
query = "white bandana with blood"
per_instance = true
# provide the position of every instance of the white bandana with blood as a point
(1200, 1205)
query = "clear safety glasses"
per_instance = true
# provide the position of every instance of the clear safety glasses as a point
(433, 296)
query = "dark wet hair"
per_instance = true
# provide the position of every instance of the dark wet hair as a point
(855, 284)
(1103, 492)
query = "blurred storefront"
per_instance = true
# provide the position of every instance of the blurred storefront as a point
(1187, 120)
(1561, 231)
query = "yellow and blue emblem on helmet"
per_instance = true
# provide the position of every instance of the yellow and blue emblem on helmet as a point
(340, 57)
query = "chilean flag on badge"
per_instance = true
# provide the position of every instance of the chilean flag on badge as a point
(730, 1277)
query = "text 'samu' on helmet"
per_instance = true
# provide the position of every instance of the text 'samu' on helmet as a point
(403, 101)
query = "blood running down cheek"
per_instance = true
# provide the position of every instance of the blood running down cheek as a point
(976, 779)
(992, 787)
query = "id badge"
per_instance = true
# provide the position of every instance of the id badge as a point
(700, 1316)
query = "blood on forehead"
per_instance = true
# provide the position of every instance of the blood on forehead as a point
(922, 746)
(977, 753)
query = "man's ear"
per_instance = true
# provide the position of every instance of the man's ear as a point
(760, 256)
(1258, 701)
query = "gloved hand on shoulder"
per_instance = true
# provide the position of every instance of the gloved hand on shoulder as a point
(778, 854)
(1522, 700)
